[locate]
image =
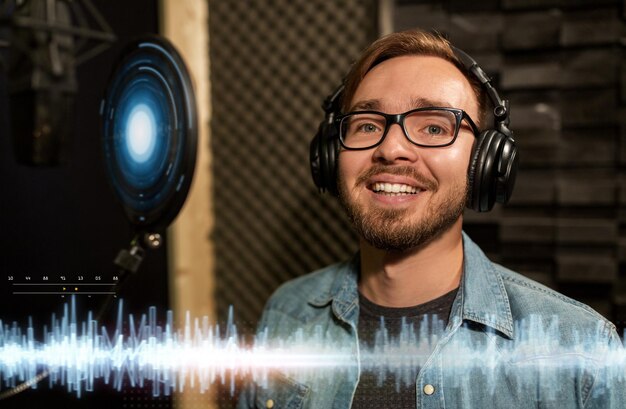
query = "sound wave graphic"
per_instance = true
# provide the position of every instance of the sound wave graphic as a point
(197, 355)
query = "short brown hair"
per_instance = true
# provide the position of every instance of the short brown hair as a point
(409, 42)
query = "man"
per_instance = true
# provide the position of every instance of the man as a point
(422, 318)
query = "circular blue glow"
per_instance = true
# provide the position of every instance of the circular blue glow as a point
(143, 163)
(149, 132)
(141, 133)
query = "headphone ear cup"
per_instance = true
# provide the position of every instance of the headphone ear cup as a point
(507, 171)
(323, 153)
(331, 144)
(324, 147)
(492, 171)
(482, 174)
(471, 172)
(315, 159)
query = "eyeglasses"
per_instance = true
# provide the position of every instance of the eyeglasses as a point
(430, 127)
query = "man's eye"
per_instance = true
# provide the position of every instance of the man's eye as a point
(369, 127)
(434, 130)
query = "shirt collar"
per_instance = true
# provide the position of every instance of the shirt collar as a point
(343, 292)
(482, 297)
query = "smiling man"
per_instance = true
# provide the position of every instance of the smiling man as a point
(419, 317)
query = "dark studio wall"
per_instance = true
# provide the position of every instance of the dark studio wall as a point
(65, 220)
(272, 64)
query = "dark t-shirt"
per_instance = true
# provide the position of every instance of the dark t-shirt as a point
(381, 327)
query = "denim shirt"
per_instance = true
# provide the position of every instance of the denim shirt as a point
(532, 347)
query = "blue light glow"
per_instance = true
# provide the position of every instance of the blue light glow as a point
(141, 133)
(141, 102)
(198, 354)
(149, 132)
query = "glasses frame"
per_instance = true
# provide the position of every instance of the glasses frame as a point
(391, 119)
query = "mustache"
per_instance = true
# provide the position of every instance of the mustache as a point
(406, 171)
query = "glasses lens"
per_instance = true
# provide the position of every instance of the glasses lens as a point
(431, 127)
(362, 130)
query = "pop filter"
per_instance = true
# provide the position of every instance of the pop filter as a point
(149, 132)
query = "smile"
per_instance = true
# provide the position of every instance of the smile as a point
(394, 189)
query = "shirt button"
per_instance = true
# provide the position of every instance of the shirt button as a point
(429, 389)
(269, 404)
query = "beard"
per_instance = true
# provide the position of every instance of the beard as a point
(399, 230)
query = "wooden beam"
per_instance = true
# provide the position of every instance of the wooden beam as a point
(190, 248)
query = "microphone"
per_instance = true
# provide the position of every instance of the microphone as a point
(47, 40)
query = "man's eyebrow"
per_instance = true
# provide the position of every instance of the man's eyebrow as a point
(366, 105)
(419, 102)
(416, 102)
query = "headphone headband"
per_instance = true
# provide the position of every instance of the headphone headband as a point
(500, 106)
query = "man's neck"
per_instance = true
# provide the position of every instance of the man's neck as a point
(404, 279)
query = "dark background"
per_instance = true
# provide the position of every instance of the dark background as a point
(65, 220)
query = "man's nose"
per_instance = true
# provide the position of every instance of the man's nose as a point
(396, 147)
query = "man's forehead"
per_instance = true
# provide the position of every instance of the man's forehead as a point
(415, 81)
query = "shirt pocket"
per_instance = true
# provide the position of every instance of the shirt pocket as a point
(281, 392)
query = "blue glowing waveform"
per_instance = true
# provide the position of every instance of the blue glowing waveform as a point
(196, 355)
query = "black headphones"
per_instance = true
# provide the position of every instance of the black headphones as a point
(493, 165)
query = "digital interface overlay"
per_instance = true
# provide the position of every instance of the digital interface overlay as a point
(62, 285)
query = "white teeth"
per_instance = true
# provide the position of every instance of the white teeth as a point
(394, 188)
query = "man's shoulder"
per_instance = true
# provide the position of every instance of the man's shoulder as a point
(531, 298)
